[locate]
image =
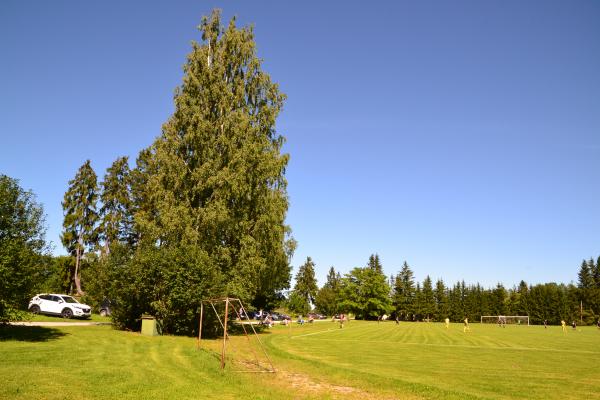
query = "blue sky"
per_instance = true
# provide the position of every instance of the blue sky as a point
(462, 137)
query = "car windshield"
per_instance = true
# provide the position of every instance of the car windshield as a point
(69, 299)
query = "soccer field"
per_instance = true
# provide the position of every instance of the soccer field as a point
(363, 361)
(428, 360)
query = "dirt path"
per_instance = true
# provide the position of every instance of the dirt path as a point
(48, 323)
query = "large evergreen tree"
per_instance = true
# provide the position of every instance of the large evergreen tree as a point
(215, 178)
(80, 217)
(116, 218)
(428, 308)
(404, 292)
(365, 292)
(441, 300)
(374, 263)
(305, 290)
(328, 297)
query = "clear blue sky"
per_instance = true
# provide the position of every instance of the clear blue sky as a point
(462, 137)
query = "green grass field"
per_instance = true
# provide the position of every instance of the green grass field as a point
(365, 360)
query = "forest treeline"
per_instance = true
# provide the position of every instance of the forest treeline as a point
(141, 281)
(368, 294)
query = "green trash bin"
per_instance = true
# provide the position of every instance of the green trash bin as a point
(150, 326)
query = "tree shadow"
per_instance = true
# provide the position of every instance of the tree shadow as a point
(21, 333)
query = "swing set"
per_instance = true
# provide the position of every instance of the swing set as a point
(240, 312)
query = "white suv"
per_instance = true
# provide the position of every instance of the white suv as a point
(59, 304)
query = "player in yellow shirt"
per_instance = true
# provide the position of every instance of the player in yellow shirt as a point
(447, 320)
(466, 327)
(564, 325)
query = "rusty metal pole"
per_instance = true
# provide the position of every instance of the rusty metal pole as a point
(224, 334)
(200, 325)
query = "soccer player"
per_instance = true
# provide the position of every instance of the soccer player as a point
(466, 327)
(564, 325)
(447, 321)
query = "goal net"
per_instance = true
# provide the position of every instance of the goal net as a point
(505, 319)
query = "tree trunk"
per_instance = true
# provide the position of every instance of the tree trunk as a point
(77, 271)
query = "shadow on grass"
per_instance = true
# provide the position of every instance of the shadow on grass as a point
(29, 333)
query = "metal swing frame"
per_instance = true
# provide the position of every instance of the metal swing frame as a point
(241, 311)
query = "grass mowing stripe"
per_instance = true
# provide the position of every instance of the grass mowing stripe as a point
(453, 345)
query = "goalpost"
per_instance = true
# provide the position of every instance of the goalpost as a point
(505, 319)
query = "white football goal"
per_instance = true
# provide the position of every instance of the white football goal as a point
(505, 319)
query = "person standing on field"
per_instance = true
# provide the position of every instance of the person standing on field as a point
(466, 327)
(447, 320)
(564, 325)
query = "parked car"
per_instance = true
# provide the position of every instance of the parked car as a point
(105, 308)
(59, 304)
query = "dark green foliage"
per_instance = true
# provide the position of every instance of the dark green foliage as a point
(404, 293)
(22, 246)
(585, 277)
(168, 283)
(374, 263)
(116, 216)
(441, 301)
(365, 293)
(305, 290)
(589, 290)
(215, 177)
(79, 225)
(428, 299)
(58, 275)
(328, 297)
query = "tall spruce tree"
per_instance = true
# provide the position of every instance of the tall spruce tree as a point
(404, 292)
(116, 218)
(214, 179)
(428, 307)
(80, 217)
(306, 288)
(441, 300)
(585, 277)
(328, 297)
(375, 264)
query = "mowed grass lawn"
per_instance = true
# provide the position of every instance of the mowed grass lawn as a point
(364, 360)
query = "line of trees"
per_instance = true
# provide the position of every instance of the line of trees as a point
(367, 293)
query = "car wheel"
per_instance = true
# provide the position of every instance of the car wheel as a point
(103, 313)
(67, 313)
(35, 309)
